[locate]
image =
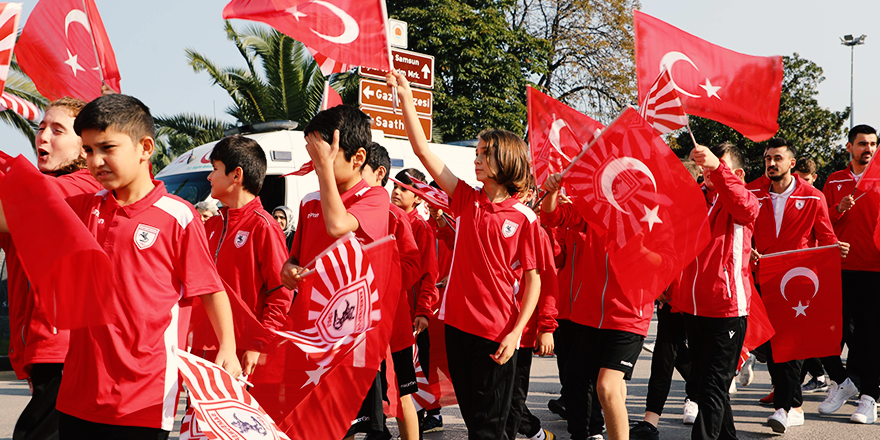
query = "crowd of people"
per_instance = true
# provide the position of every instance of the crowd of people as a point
(508, 273)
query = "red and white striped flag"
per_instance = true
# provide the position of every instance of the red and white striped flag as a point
(189, 427)
(306, 168)
(435, 197)
(426, 396)
(328, 65)
(223, 409)
(10, 13)
(662, 108)
(343, 302)
(23, 107)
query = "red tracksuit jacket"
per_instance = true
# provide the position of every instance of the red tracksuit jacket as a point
(855, 226)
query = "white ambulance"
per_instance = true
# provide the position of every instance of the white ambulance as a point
(187, 175)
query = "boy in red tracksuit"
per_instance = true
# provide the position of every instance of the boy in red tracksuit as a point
(610, 331)
(248, 245)
(854, 218)
(716, 288)
(36, 348)
(792, 215)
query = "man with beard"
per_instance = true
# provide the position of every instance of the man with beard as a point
(854, 220)
(792, 215)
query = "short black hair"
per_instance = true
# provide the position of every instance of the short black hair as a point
(353, 126)
(860, 129)
(403, 175)
(122, 113)
(238, 151)
(378, 157)
(737, 160)
(806, 166)
(779, 142)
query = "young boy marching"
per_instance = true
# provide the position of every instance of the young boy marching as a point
(247, 244)
(120, 379)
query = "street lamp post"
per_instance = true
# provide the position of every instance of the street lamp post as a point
(849, 40)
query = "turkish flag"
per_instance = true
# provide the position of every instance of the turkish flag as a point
(758, 328)
(59, 255)
(740, 91)
(296, 385)
(632, 186)
(65, 50)
(802, 293)
(351, 32)
(557, 133)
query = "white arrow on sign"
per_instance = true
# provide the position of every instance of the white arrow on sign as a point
(426, 71)
(369, 93)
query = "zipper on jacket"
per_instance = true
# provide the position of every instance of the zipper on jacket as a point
(604, 289)
(571, 282)
(727, 283)
(694, 287)
(222, 236)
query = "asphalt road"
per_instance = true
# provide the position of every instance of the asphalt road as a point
(749, 415)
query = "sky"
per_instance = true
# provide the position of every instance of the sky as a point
(149, 39)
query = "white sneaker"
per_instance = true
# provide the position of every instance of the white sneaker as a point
(732, 388)
(795, 417)
(867, 411)
(747, 373)
(837, 396)
(778, 421)
(691, 409)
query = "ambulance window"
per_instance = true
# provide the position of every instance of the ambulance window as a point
(192, 187)
(272, 193)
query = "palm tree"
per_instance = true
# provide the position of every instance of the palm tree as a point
(280, 81)
(18, 84)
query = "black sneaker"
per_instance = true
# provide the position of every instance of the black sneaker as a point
(557, 406)
(643, 431)
(432, 424)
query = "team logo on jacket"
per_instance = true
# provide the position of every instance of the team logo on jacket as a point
(799, 204)
(241, 238)
(839, 186)
(145, 236)
(509, 228)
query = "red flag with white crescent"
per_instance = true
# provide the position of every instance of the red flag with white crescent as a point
(557, 134)
(10, 13)
(632, 187)
(737, 90)
(65, 50)
(222, 407)
(802, 293)
(662, 108)
(351, 32)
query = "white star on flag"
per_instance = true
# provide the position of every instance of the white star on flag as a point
(651, 217)
(800, 309)
(315, 375)
(72, 62)
(296, 14)
(710, 89)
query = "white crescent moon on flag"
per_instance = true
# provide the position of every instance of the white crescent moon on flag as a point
(669, 60)
(553, 137)
(351, 29)
(616, 167)
(76, 16)
(799, 272)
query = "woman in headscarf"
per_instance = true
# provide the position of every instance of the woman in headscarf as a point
(284, 216)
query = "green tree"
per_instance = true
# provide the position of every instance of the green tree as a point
(482, 62)
(817, 132)
(280, 81)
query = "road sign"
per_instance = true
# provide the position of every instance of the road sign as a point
(378, 94)
(392, 124)
(397, 34)
(418, 68)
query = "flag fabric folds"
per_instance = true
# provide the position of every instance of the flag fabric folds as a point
(740, 91)
(758, 328)
(350, 32)
(10, 13)
(557, 133)
(76, 279)
(222, 408)
(306, 168)
(23, 107)
(435, 197)
(662, 107)
(328, 65)
(802, 292)
(331, 97)
(633, 189)
(65, 50)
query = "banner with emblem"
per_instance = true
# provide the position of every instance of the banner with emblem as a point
(221, 407)
(802, 293)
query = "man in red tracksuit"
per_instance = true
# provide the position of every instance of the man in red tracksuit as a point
(791, 215)
(716, 288)
(854, 220)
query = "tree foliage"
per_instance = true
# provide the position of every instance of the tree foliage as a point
(818, 133)
(483, 62)
(592, 65)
